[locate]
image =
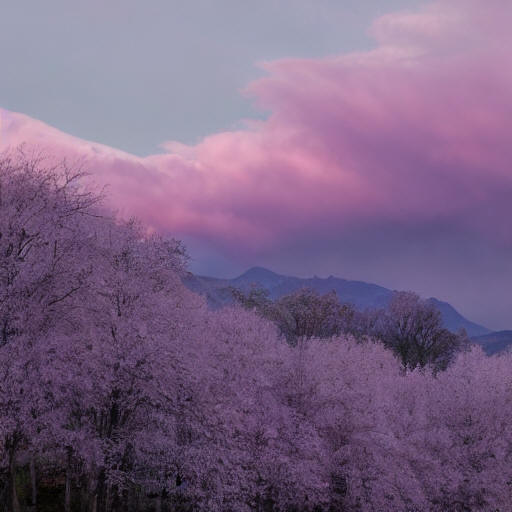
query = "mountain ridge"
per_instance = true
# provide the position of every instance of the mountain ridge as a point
(361, 294)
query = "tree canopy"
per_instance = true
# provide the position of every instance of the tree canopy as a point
(121, 391)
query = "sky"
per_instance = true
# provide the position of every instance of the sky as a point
(367, 140)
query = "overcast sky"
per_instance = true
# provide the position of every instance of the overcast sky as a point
(363, 139)
(133, 74)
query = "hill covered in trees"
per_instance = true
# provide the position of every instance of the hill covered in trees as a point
(121, 390)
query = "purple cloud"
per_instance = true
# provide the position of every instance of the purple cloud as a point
(410, 139)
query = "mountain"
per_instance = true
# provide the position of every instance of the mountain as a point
(494, 342)
(362, 295)
(453, 320)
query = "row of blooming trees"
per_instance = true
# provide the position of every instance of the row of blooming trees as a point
(121, 391)
(411, 327)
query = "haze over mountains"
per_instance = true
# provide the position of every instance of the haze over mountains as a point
(362, 295)
(494, 342)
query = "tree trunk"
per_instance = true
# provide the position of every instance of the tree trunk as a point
(84, 496)
(101, 494)
(92, 494)
(67, 492)
(15, 503)
(94, 505)
(108, 498)
(158, 504)
(33, 482)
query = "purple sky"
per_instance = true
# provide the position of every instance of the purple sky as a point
(388, 163)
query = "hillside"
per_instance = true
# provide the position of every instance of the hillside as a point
(494, 342)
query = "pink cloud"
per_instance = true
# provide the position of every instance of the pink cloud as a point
(413, 132)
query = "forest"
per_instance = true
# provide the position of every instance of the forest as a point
(120, 390)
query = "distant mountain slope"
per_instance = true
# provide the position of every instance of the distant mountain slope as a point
(362, 295)
(453, 320)
(494, 342)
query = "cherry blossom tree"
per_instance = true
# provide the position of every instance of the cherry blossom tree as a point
(41, 267)
(125, 392)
